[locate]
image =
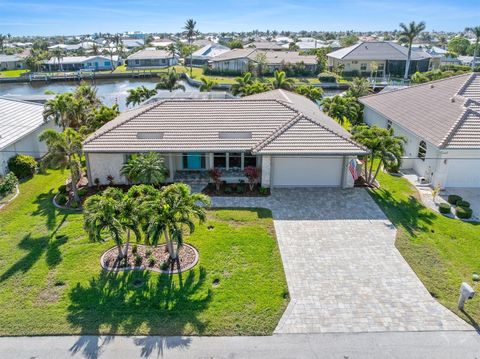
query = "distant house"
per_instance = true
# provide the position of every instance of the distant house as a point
(389, 58)
(21, 123)
(467, 60)
(75, 63)
(151, 59)
(133, 43)
(206, 53)
(264, 45)
(239, 60)
(11, 62)
(440, 121)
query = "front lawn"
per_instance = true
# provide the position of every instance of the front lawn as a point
(12, 73)
(443, 252)
(51, 281)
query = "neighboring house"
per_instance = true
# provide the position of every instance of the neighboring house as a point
(264, 45)
(21, 123)
(441, 121)
(437, 52)
(11, 62)
(151, 59)
(86, 45)
(467, 60)
(206, 53)
(133, 43)
(239, 60)
(389, 58)
(75, 63)
(284, 135)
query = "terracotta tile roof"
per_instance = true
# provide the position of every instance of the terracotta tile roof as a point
(196, 125)
(442, 112)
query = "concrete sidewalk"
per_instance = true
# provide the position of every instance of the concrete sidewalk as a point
(392, 345)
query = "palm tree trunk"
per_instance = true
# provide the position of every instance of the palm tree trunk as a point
(371, 169)
(407, 65)
(121, 255)
(169, 243)
(126, 245)
(76, 197)
(377, 171)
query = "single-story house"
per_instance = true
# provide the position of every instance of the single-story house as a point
(21, 123)
(133, 43)
(11, 62)
(75, 63)
(206, 53)
(467, 60)
(240, 59)
(151, 59)
(441, 122)
(264, 45)
(380, 58)
(284, 135)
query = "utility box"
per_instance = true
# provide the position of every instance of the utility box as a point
(466, 292)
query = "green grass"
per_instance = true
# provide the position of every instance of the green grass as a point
(12, 73)
(51, 281)
(443, 252)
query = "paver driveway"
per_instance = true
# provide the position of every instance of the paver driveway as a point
(343, 271)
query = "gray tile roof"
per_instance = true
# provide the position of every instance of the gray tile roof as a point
(18, 119)
(149, 54)
(377, 51)
(272, 57)
(443, 112)
(195, 126)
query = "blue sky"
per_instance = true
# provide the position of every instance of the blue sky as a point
(30, 17)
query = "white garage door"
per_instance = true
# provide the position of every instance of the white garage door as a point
(306, 171)
(463, 173)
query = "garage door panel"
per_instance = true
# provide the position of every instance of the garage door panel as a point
(463, 173)
(306, 171)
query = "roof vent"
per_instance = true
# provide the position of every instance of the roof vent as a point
(432, 86)
(238, 135)
(452, 99)
(149, 135)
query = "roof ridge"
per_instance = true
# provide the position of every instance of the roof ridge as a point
(455, 126)
(416, 85)
(354, 47)
(395, 47)
(6, 98)
(277, 132)
(465, 85)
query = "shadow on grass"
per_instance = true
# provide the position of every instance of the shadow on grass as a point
(138, 302)
(45, 208)
(36, 247)
(471, 321)
(408, 214)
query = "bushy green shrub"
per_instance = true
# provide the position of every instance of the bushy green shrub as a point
(74, 205)
(453, 199)
(463, 204)
(22, 166)
(8, 184)
(228, 190)
(463, 212)
(138, 261)
(62, 189)
(134, 249)
(164, 265)
(148, 253)
(151, 261)
(444, 208)
(82, 192)
(263, 190)
(62, 199)
(327, 77)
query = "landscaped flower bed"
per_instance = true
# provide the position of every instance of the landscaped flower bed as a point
(236, 190)
(141, 257)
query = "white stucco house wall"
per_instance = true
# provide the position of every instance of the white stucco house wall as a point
(21, 123)
(441, 122)
(150, 59)
(290, 141)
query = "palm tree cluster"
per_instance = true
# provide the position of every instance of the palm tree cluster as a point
(149, 213)
(137, 95)
(191, 32)
(147, 168)
(170, 81)
(408, 34)
(346, 110)
(383, 146)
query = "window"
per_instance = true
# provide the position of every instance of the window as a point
(137, 62)
(234, 135)
(149, 135)
(363, 67)
(219, 160)
(234, 160)
(250, 160)
(422, 150)
(389, 124)
(381, 67)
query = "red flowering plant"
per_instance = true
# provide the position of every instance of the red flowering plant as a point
(252, 175)
(216, 175)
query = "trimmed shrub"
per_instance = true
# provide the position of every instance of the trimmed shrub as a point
(148, 253)
(82, 192)
(134, 249)
(23, 166)
(263, 190)
(327, 77)
(62, 189)
(444, 208)
(453, 199)
(62, 199)
(138, 261)
(164, 265)
(463, 212)
(463, 204)
(151, 261)
(8, 184)
(74, 205)
(228, 190)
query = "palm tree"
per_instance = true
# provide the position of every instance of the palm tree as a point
(311, 92)
(241, 82)
(2, 42)
(344, 109)
(172, 51)
(173, 211)
(190, 32)
(359, 87)
(170, 81)
(138, 95)
(383, 145)
(58, 54)
(281, 81)
(95, 49)
(476, 32)
(147, 168)
(410, 32)
(207, 84)
(65, 151)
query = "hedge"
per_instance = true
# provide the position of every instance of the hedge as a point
(463, 212)
(8, 184)
(327, 77)
(444, 208)
(453, 199)
(463, 204)
(22, 166)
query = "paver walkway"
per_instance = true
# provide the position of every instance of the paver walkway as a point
(343, 271)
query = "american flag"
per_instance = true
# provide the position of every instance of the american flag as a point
(352, 167)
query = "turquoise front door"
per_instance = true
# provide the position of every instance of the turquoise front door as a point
(194, 161)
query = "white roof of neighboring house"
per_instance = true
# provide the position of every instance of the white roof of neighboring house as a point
(281, 124)
(149, 54)
(466, 60)
(129, 43)
(18, 119)
(272, 57)
(445, 112)
(10, 58)
(161, 43)
(263, 45)
(377, 50)
(210, 51)
(78, 59)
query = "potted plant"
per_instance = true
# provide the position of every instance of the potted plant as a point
(252, 175)
(216, 175)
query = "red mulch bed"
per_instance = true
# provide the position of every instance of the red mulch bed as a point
(236, 190)
(187, 258)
